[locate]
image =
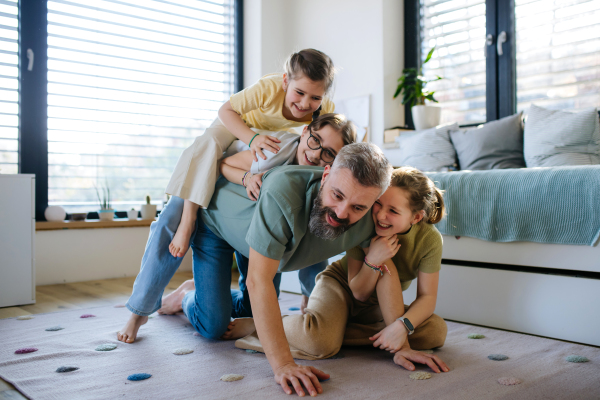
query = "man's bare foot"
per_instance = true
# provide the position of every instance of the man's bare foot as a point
(129, 332)
(171, 304)
(239, 328)
(181, 241)
(303, 304)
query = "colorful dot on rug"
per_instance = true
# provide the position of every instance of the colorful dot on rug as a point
(119, 305)
(506, 381)
(106, 347)
(25, 317)
(336, 356)
(138, 377)
(26, 350)
(87, 316)
(498, 357)
(54, 328)
(182, 351)
(294, 308)
(323, 380)
(251, 351)
(231, 377)
(196, 334)
(577, 359)
(420, 375)
(66, 369)
(475, 336)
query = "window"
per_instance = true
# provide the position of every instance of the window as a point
(558, 54)
(499, 57)
(9, 87)
(130, 85)
(457, 30)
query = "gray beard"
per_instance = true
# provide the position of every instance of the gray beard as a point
(318, 225)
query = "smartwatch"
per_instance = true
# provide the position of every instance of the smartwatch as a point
(409, 327)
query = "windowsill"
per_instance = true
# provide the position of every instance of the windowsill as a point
(91, 224)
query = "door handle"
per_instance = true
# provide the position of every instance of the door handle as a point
(489, 41)
(501, 39)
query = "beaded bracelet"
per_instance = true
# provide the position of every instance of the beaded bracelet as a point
(244, 179)
(252, 139)
(377, 268)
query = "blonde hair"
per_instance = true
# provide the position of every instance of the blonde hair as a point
(313, 64)
(338, 122)
(422, 193)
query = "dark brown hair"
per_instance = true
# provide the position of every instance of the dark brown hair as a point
(422, 193)
(313, 64)
(337, 122)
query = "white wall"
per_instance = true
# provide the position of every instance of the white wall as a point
(76, 255)
(364, 39)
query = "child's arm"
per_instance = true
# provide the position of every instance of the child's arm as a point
(361, 278)
(391, 302)
(235, 167)
(234, 124)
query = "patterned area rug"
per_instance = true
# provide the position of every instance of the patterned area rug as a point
(356, 373)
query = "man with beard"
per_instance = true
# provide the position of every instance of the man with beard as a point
(304, 215)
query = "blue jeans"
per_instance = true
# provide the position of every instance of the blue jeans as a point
(211, 305)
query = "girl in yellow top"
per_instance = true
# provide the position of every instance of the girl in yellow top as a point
(358, 300)
(276, 102)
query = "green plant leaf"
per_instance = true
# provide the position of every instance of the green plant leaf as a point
(429, 55)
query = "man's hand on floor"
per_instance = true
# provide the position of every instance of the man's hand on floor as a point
(298, 376)
(405, 355)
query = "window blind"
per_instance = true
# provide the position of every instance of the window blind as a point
(130, 85)
(558, 53)
(9, 87)
(457, 29)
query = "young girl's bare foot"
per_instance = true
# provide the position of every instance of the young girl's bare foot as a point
(239, 328)
(181, 241)
(171, 304)
(129, 332)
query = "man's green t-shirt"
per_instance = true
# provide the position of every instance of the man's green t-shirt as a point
(276, 225)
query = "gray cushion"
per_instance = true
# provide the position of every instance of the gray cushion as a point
(556, 138)
(429, 149)
(495, 145)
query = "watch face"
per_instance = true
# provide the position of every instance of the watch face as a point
(409, 325)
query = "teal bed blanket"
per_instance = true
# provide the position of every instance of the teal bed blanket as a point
(546, 205)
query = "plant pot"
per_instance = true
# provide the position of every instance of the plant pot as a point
(148, 211)
(106, 215)
(132, 214)
(425, 117)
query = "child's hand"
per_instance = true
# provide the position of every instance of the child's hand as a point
(405, 355)
(253, 186)
(383, 248)
(390, 338)
(264, 142)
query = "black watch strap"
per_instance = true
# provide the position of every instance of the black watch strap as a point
(409, 326)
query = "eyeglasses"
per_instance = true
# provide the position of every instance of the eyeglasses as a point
(315, 144)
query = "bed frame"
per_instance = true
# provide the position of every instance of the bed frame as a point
(542, 289)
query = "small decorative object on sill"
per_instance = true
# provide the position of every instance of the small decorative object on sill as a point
(106, 212)
(55, 213)
(412, 86)
(78, 216)
(148, 210)
(132, 214)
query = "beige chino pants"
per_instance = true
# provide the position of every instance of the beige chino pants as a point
(334, 318)
(196, 172)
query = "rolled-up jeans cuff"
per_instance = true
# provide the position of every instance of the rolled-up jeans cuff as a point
(138, 312)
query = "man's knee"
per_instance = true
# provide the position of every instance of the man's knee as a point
(431, 334)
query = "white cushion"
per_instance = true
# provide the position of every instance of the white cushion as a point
(555, 138)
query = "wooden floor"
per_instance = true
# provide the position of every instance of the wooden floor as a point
(80, 295)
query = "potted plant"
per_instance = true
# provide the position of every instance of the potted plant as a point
(132, 214)
(106, 212)
(412, 87)
(148, 210)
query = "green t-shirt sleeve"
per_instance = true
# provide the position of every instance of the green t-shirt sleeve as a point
(357, 253)
(270, 229)
(432, 260)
